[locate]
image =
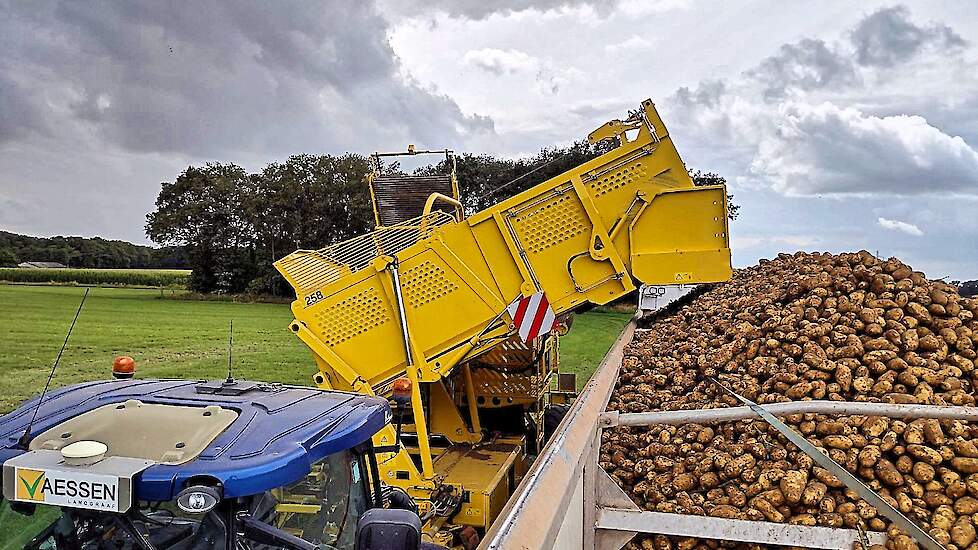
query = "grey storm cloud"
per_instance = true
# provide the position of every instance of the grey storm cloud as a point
(888, 37)
(806, 65)
(18, 113)
(880, 40)
(209, 78)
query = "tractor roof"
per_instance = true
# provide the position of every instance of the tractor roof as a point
(278, 431)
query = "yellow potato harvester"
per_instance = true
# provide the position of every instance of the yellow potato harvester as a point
(421, 302)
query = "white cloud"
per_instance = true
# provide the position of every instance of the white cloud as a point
(481, 9)
(645, 7)
(500, 62)
(824, 149)
(903, 227)
(634, 44)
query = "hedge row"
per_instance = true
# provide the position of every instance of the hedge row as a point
(115, 277)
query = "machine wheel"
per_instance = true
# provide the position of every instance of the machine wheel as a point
(552, 418)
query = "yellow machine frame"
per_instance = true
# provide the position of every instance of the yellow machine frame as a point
(425, 297)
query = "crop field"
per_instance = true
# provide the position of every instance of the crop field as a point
(107, 277)
(184, 338)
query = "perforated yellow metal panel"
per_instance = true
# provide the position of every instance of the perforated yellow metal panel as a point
(426, 283)
(551, 223)
(618, 179)
(352, 317)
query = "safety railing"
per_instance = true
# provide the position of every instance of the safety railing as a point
(310, 270)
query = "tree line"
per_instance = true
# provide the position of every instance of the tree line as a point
(88, 253)
(234, 224)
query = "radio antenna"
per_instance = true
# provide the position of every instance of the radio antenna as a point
(25, 439)
(230, 379)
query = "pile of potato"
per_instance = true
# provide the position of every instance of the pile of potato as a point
(806, 326)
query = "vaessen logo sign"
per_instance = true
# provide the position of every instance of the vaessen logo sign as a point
(74, 489)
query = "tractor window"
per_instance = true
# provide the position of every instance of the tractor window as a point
(323, 508)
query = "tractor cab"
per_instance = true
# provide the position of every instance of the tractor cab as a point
(172, 464)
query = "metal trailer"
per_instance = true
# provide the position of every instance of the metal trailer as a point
(567, 500)
(656, 297)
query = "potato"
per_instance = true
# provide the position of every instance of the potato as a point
(875, 426)
(709, 480)
(684, 482)
(941, 536)
(904, 504)
(923, 472)
(904, 464)
(963, 532)
(830, 427)
(965, 448)
(971, 483)
(726, 511)
(869, 455)
(768, 509)
(966, 506)
(826, 477)
(793, 485)
(903, 542)
(837, 442)
(967, 465)
(936, 498)
(914, 434)
(943, 518)
(887, 473)
(934, 433)
(956, 489)
(829, 519)
(925, 454)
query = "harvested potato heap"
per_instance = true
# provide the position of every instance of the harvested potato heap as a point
(806, 326)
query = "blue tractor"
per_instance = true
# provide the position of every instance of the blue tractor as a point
(193, 465)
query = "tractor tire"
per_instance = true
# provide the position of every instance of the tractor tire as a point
(552, 418)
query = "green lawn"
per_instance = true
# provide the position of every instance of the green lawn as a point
(589, 339)
(185, 338)
(167, 338)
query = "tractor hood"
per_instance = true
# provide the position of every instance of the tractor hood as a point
(248, 436)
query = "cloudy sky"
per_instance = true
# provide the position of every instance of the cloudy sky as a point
(838, 127)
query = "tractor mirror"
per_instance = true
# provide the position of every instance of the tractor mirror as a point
(388, 529)
(263, 533)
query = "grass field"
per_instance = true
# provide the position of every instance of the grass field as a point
(590, 338)
(117, 277)
(168, 338)
(184, 339)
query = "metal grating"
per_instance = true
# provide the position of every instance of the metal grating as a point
(310, 270)
(352, 317)
(400, 198)
(490, 383)
(618, 179)
(512, 352)
(425, 283)
(552, 223)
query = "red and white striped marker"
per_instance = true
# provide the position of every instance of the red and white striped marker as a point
(532, 316)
